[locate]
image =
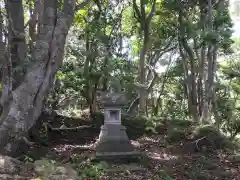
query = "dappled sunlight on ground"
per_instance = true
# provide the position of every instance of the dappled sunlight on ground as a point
(161, 156)
(185, 166)
(135, 143)
(147, 142)
(151, 139)
(65, 147)
(163, 160)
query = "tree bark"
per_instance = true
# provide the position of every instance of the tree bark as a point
(29, 98)
(6, 72)
(34, 22)
(144, 20)
(190, 78)
(16, 31)
(208, 98)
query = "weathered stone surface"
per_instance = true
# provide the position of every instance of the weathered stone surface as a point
(234, 158)
(13, 169)
(113, 138)
(112, 116)
(9, 165)
(11, 177)
(211, 165)
(221, 173)
(51, 171)
(111, 99)
(59, 177)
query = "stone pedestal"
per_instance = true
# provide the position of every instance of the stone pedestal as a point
(113, 139)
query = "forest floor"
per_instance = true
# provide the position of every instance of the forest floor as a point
(165, 161)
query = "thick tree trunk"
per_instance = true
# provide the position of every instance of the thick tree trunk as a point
(28, 99)
(207, 106)
(6, 69)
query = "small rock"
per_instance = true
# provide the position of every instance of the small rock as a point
(211, 165)
(51, 171)
(221, 173)
(234, 158)
(225, 173)
(60, 177)
(11, 177)
(10, 165)
(43, 167)
(66, 170)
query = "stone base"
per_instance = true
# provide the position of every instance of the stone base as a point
(119, 157)
(113, 140)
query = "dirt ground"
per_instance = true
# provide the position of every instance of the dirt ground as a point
(164, 161)
(161, 161)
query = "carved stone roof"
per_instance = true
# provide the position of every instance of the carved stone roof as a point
(112, 99)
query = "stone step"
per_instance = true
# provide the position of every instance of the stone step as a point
(119, 156)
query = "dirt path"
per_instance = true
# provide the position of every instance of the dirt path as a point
(164, 161)
(169, 162)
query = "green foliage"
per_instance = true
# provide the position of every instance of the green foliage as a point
(27, 159)
(128, 20)
(175, 135)
(218, 139)
(102, 53)
(92, 171)
(151, 123)
(136, 126)
(163, 175)
(228, 97)
(97, 119)
(178, 129)
(207, 130)
(180, 123)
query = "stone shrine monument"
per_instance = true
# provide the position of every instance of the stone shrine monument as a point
(113, 140)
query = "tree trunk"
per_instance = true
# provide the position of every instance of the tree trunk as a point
(34, 22)
(144, 20)
(207, 106)
(29, 98)
(142, 98)
(16, 31)
(6, 72)
(190, 77)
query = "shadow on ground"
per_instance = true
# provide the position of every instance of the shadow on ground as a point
(170, 161)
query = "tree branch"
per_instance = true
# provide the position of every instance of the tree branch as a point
(150, 15)
(152, 83)
(27, 23)
(82, 5)
(182, 39)
(135, 7)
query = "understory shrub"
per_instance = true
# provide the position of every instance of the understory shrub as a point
(179, 123)
(218, 139)
(178, 129)
(175, 135)
(136, 126)
(97, 119)
(91, 171)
